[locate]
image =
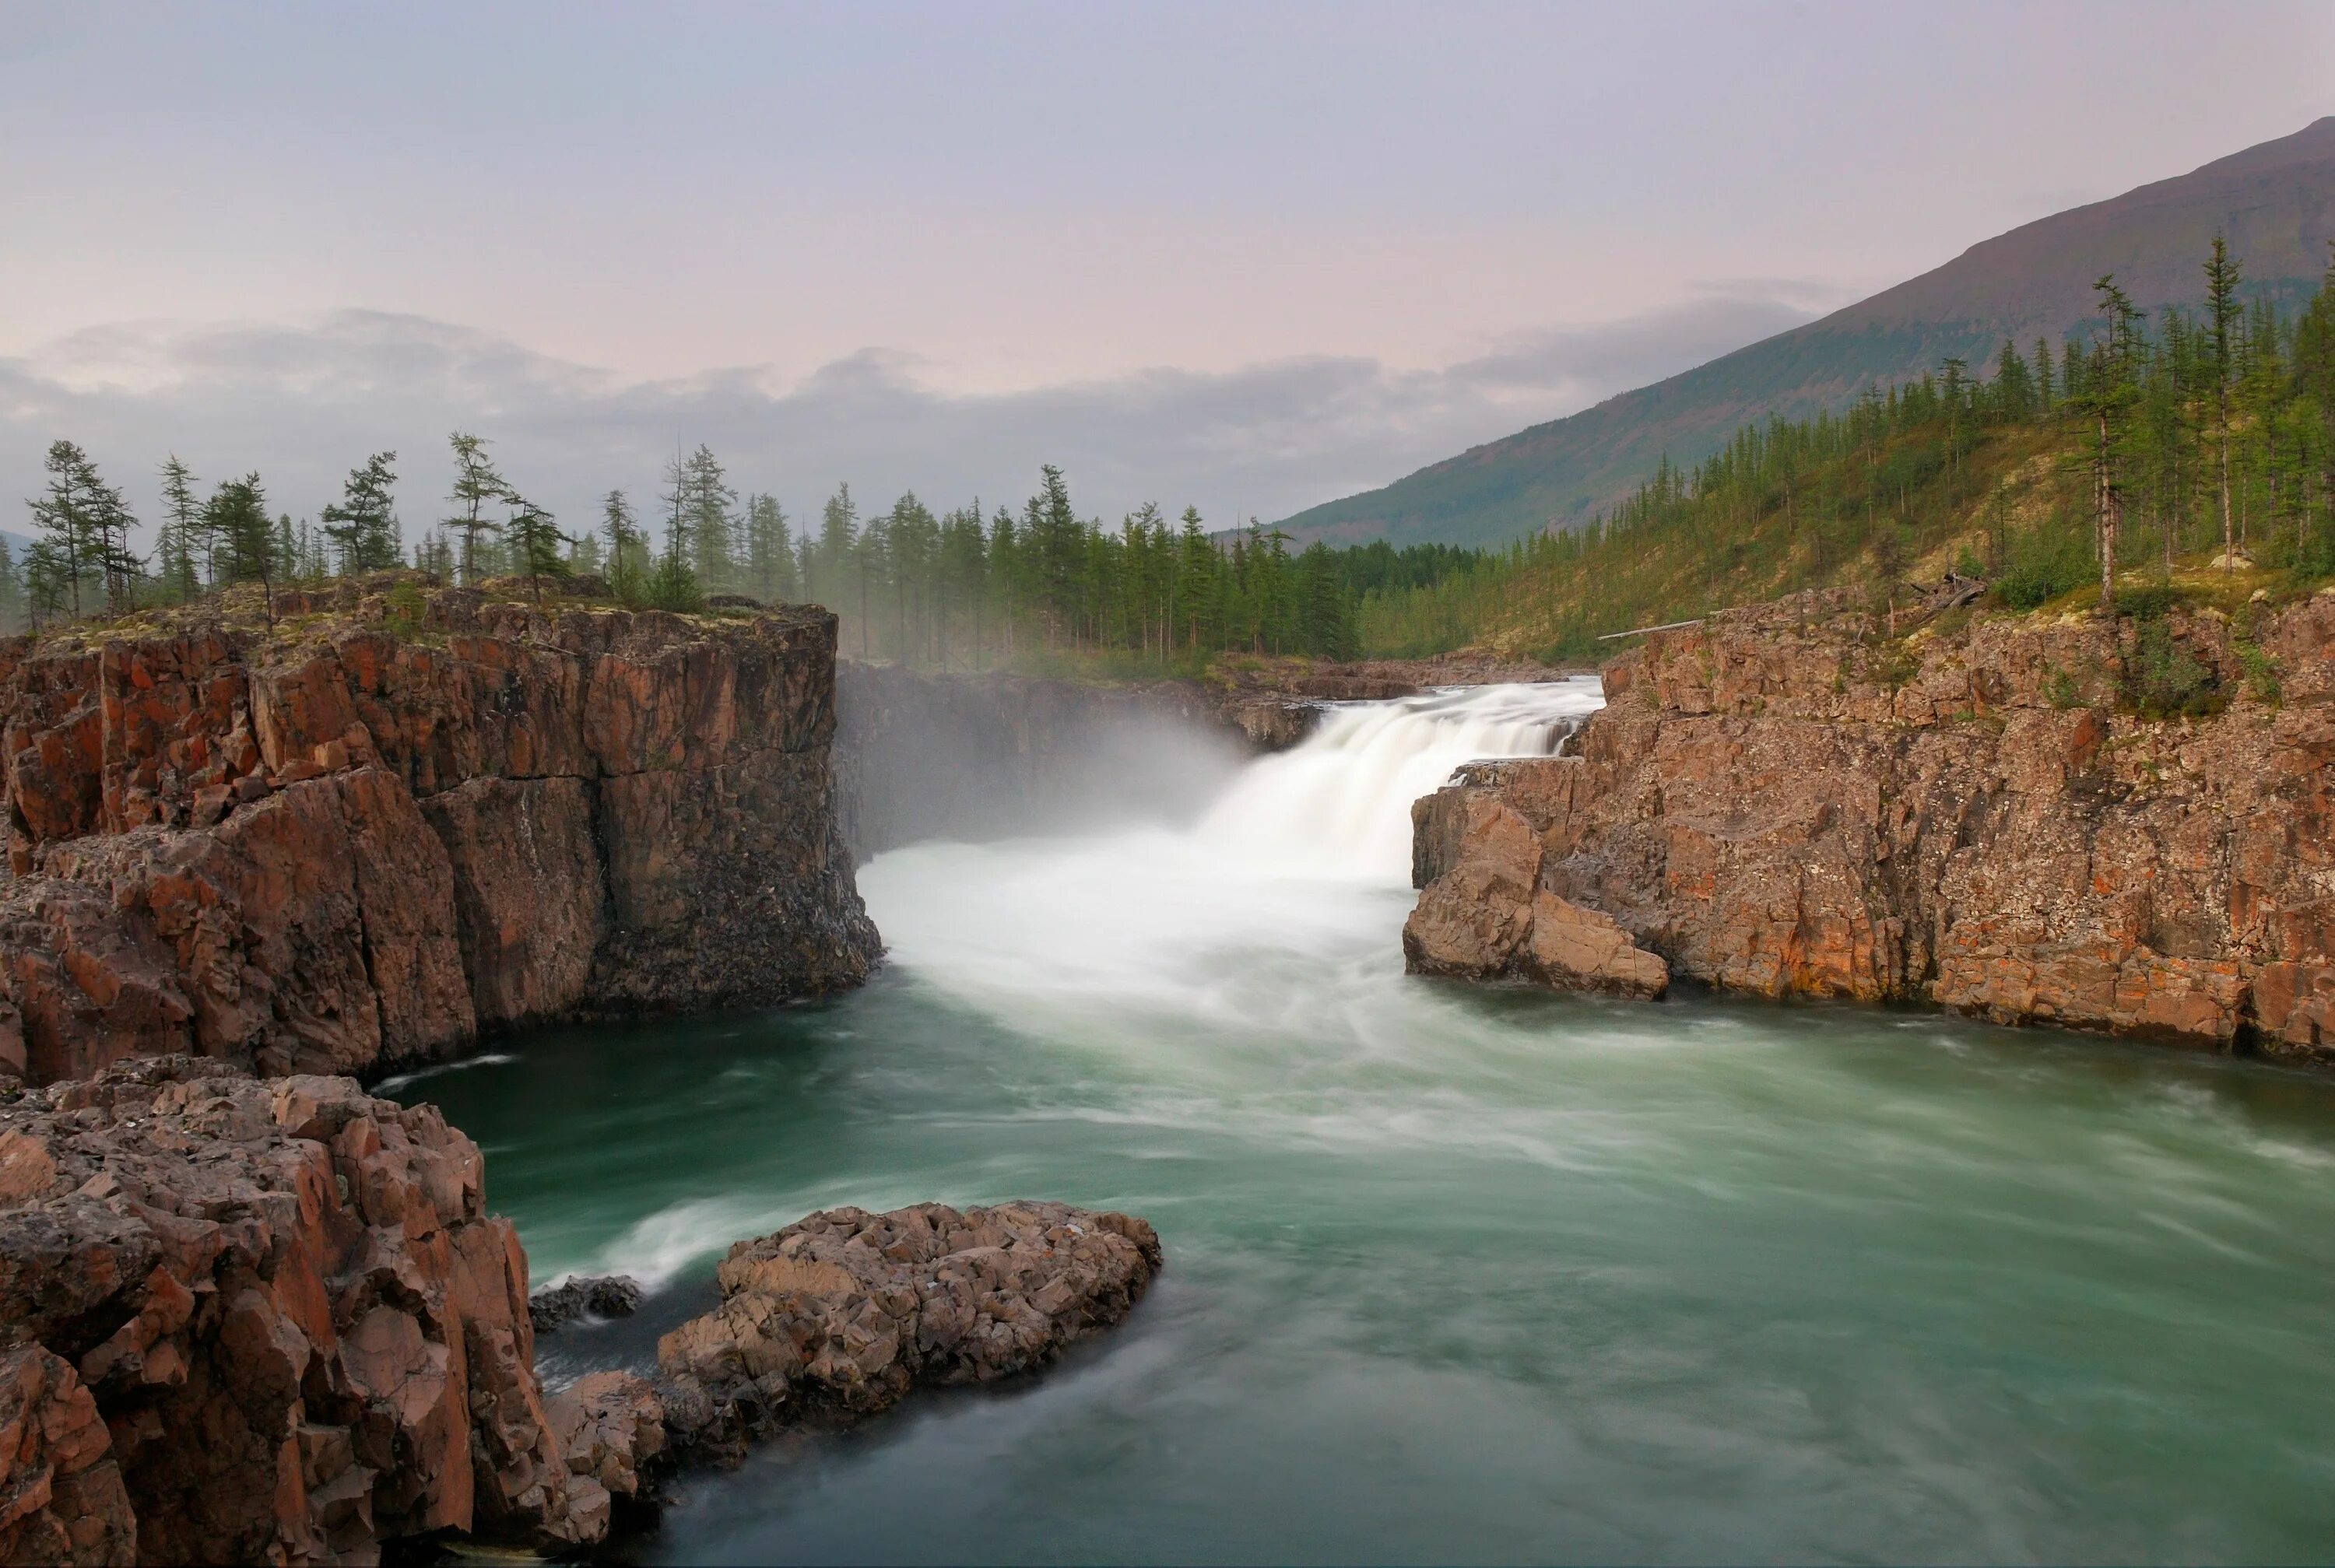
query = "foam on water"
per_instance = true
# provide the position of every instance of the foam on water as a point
(1275, 912)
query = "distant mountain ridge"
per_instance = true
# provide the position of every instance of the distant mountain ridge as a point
(2275, 201)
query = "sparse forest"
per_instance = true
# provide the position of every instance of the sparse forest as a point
(2136, 452)
(2133, 450)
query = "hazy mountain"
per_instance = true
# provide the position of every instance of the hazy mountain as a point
(2276, 203)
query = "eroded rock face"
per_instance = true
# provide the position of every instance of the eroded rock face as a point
(1488, 917)
(302, 1331)
(61, 1500)
(334, 849)
(611, 1428)
(1782, 801)
(838, 1314)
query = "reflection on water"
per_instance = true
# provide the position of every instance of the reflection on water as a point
(1466, 1273)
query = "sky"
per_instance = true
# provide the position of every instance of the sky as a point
(1247, 257)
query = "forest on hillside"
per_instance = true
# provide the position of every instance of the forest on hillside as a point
(2137, 448)
(2132, 446)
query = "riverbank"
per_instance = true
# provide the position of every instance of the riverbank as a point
(2119, 824)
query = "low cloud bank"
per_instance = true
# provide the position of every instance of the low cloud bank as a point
(304, 404)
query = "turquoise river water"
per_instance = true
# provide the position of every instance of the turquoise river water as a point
(1463, 1274)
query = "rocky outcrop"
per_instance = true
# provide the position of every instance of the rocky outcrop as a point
(611, 1428)
(581, 1298)
(2124, 826)
(841, 1314)
(366, 833)
(261, 1321)
(61, 1500)
(1488, 917)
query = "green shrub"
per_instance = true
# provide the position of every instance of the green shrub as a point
(406, 609)
(2146, 601)
(2163, 679)
(2261, 670)
(2045, 562)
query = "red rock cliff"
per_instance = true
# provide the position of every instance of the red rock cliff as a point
(247, 1321)
(1986, 817)
(333, 846)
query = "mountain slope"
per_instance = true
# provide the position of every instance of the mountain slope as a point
(2275, 201)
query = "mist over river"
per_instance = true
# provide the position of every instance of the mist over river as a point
(1461, 1273)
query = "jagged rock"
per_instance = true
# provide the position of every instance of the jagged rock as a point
(339, 848)
(611, 1428)
(303, 1331)
(1488, 916)
(584, 1296)
(838, 1314)
(61, 1500)
(1781, 800)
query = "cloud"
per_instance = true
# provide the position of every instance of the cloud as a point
(302, 405)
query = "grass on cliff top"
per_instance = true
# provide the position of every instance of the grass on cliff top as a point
(309, 612)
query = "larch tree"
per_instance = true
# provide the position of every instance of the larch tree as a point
(478, 485)
(361, 526)
(2221, 278)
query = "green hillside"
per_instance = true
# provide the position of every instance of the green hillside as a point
(2275, 202)
(1996, 477)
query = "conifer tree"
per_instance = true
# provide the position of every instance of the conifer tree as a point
(2221, 278)
(675, 584)
(361, 526)
(627, 559)
(769, 552)
(478, 485)
(535, 540)
(181, 534)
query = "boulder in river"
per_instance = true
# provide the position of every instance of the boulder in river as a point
(841, 1314)
(581, 1297)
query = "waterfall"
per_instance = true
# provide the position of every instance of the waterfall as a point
(1287, 892)
(1339, 804)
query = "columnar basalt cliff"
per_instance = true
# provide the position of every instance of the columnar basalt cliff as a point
(247, 1321)
(363, 836)
(1994, 817)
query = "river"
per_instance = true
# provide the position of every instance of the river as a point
(1462, 1273)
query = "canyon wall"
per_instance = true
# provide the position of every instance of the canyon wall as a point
(2117, 826)
(362, 836)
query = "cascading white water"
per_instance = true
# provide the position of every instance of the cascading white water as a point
(1339, 805)
(1269, 912)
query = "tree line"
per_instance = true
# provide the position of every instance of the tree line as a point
(2130, 447)
(955, 589)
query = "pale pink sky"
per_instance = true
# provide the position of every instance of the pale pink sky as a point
(1239, 255)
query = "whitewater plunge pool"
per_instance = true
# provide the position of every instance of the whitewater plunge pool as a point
(1463, 1274)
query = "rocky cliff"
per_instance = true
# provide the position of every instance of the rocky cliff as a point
(363, 833)
(2122, 826)
(247, 1321)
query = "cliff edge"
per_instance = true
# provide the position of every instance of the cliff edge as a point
(2115, 825)
(389, 820)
